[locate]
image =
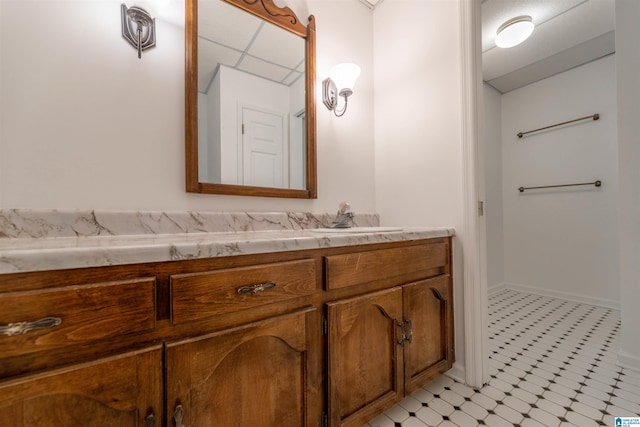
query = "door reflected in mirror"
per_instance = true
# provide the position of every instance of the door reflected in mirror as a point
(252, 73)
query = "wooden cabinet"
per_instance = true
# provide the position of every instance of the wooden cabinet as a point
(359, 267)
(320, 338)
(36, 325)
(263, 374)
(384, 345)
(365, 373)
(71, 326)
(203, 295)
(428, 317)
(124, 391)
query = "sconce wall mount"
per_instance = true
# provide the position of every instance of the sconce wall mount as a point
(340, 83)
(330, 96)
(138, 28)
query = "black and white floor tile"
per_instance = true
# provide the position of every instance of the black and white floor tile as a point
(553, 364)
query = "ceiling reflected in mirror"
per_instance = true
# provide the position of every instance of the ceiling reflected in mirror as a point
(228, 36)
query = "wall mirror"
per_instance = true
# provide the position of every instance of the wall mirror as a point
(250, 99)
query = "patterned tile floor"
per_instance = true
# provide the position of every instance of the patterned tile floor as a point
(553, 364)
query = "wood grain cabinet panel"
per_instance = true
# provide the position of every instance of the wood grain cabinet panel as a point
(383, 345)
(123, 391)
(365, 374)
(428, 314)
(356, 268)
(81, 314)
(264, 374)
(197, 296)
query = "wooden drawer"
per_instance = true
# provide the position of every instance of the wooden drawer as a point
(74, 315)
(363, 267)
(202, 295)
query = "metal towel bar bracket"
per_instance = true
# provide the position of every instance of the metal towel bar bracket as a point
(597, 183)
(594, 117)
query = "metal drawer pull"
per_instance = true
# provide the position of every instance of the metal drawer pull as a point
(150, 421)
(178, 415)
(255, 289)
(20, 328)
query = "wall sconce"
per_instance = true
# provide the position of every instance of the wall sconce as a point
(514, 31)
(138, 28)
(342, 78)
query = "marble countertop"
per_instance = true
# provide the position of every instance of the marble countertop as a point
(22, 255)
(55, 240)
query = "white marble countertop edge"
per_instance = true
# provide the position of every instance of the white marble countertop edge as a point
(56, 253)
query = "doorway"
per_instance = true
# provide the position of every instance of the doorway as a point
(263, 150)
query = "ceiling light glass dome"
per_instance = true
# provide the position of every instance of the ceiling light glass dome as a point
(514, 31)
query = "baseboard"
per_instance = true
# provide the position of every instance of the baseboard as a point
(628, 361)
(492, 289)
(457, 373)
(570, 296)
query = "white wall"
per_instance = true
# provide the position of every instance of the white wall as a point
(491, 137)
(345, 144)
(418, 121)
(563, 242)
(628, 70)
(85, 124)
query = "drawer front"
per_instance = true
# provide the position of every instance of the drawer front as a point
(38, 320)
(363, 267)
(202, 295)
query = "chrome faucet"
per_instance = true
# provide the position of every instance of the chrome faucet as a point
(344, 217)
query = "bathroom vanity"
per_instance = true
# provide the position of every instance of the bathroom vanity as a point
(266, 327)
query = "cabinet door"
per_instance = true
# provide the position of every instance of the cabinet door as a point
(365, 373)
(428, 313)
(123, 391)
(264, 374)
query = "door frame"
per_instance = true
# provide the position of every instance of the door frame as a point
(474, 263)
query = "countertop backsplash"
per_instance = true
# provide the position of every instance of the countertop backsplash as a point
(47, 223)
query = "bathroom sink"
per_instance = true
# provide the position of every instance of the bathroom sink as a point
(356, 230)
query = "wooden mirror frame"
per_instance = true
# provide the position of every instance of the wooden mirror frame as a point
(286, 19)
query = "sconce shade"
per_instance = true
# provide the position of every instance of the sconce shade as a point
(345, 76)
(514, 31)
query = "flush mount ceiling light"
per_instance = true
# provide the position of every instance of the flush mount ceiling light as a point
(514, 31)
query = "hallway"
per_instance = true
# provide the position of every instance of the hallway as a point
(552, 362)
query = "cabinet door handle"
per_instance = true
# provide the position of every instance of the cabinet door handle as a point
(20, 328)
(150, 421)
(256, 289)
(438, 294)
(401, 334)
(178, 415)
(409, 331)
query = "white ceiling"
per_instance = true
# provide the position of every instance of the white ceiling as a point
(568, 33)
(371, 4)
(234, 38)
